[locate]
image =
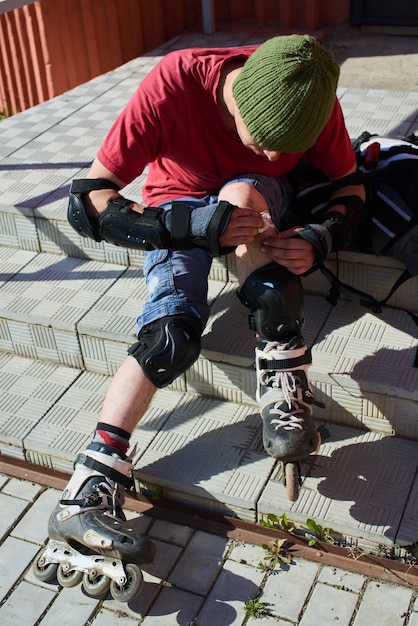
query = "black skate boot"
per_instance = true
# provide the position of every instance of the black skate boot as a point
(285, 400)
(90, 539)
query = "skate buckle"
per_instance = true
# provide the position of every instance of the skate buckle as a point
(63, 515)
(94, 540)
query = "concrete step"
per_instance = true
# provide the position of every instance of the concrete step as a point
(45, 229)
(208, 453)
(80, 313)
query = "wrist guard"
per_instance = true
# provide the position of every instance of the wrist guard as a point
(198, 227)
(336, 231)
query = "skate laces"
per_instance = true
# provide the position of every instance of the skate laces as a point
(112, 496)
(290, 385)
(113, 493)
(106, 494)
(288, 421)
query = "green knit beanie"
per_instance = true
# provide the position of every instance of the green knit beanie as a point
(286, 91)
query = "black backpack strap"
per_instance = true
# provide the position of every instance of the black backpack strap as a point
(338, 288)
(400, 280)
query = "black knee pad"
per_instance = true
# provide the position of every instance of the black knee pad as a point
(275, 298)
(167, 347)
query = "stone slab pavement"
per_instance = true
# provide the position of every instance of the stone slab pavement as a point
(198, 578)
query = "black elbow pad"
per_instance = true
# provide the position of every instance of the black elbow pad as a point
(76, 212)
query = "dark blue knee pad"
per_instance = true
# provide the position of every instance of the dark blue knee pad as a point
(167, 347)
(275, 298)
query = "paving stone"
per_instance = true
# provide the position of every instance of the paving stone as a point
(41, 307)
(341, 578)
(201, 562)
(72, 607)
(173, 606)
(225, 603)
(34, 525)
(15, 556)
(287, 590)
(111, 618)
(68, 426)
(387, 603)
(171, 533)
(18, 231)
(10, 510)
(26, 605)
(248, 554)
(328, 605)
(266, 621)
(21, 489)
(363, 365)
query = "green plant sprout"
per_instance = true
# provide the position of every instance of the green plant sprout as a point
(278, 523)
(254, 607)
(321, 533)
(277, 554)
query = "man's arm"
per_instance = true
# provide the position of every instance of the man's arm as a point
(97, 201)
(99, 211)
(301, 247)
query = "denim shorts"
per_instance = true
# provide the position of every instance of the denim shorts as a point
(177, 280)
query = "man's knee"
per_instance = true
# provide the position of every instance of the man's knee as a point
(244, 194)
(275, 298)
(167, 347)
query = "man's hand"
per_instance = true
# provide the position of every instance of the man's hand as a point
(243, 227)
(294, 253)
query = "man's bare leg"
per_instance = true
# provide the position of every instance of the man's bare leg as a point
(249, 257)
(128, 396)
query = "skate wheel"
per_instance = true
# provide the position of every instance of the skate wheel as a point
(44, 572)
(292, 481)
(69, 578)
(132, 587)
(96, 586)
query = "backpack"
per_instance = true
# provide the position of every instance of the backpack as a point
(392, 169)
(390, 227)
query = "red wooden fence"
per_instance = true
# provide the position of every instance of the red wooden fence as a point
(50, 46)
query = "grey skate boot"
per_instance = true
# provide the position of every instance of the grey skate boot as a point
(90, 539)
(285, 399)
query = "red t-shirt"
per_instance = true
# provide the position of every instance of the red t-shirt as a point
(173, 124)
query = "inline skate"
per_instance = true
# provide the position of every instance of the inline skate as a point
(90, 540)
(285, 400)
